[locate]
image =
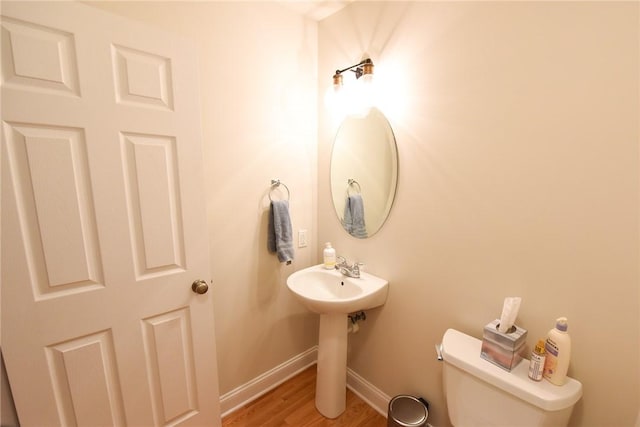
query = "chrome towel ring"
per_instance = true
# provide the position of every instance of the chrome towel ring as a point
(275, 183)
(353, 183)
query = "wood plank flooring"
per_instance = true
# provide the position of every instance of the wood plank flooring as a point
(293, 404)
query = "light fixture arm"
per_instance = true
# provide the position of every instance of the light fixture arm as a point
(363, 67)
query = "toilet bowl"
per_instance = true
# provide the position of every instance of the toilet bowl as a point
(479, 393)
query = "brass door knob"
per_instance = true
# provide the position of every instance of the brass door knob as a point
(199, 287)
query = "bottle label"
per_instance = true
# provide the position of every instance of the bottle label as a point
(551, 361)
(329, 259)
(551, 347)
(536, 367)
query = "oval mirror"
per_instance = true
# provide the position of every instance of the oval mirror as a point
(364, 173)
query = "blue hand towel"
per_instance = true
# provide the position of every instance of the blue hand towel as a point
(354, 216)
(280, 234)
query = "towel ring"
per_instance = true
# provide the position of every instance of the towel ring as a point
(352, 182)
(276, 183)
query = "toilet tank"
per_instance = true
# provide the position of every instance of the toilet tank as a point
(479, 393)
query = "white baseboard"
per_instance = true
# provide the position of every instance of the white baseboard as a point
(368, 392)
(260, 385)
(372, 395)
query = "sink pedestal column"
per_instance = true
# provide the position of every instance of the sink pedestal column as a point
(331, 382)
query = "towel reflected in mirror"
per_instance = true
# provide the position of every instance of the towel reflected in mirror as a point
(353, 220)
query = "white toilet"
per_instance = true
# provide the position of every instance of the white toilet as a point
(479, 393)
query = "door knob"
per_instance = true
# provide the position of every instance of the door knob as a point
(199, 287)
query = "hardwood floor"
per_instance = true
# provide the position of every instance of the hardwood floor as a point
(292, 404)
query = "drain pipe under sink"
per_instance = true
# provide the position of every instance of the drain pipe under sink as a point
(353, 326)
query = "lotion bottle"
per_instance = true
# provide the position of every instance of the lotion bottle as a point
(558, 348)
(329, 256)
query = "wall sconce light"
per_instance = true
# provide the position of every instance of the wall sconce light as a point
(362, 69)
(353, 99)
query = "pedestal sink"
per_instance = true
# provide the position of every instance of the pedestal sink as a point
(333, 296)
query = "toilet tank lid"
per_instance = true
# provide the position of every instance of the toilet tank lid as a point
(463, 352)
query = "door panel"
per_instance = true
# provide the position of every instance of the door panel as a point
(101, 157)
(43, 59)
(142, 78)
(153, 198)
(62, 260)
(170, 365)
(85, 381)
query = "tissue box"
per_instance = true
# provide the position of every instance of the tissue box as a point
(505, 350)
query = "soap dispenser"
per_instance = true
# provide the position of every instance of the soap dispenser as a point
(329, 256)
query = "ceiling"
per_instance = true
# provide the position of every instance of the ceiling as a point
(316, 9)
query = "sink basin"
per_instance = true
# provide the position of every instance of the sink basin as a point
(329, 291)
(334, 296)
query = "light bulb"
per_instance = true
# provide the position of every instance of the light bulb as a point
(363, 95)
(336, 98)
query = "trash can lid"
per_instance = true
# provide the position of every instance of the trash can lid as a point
(408, 411)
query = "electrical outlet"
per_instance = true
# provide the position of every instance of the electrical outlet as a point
(302, 238)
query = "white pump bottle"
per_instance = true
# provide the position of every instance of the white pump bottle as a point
(558, 348)
(329, 256)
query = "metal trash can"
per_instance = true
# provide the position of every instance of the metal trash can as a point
(407, 411)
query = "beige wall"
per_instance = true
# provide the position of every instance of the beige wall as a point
(258, 86)
(518, 142)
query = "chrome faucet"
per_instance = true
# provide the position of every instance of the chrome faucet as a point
(346, 269)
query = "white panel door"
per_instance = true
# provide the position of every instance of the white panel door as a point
(103, 223)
